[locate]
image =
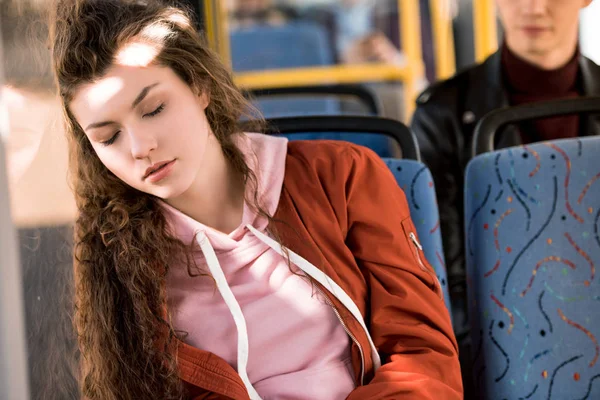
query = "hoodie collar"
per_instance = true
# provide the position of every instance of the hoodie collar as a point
(266, 157)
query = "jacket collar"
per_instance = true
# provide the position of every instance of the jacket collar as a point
(487, 95)
(590, 73)
(510, 135)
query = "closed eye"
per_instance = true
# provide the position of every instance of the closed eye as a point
(111, 140)
(155, 112)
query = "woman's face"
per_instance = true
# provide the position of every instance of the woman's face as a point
(147, 127)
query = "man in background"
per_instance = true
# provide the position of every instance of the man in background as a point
(539, 60)
(247, 13)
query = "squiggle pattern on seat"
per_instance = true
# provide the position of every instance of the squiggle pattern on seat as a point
(533, 288)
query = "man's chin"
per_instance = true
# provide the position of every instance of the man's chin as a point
(537, 48)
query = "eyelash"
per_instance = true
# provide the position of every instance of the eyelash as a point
(111, 140)
(155, 112)
(158, 110)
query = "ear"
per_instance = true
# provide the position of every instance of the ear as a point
(203, 98)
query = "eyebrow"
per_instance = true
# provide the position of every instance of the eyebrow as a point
(140, 97)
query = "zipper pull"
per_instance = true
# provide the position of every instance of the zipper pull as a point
(436, 281)
(413, 237)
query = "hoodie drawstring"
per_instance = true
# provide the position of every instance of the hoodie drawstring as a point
(234, 307)
(236, 311)
(327, 283)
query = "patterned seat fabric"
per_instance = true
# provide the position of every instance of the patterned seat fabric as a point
(533, 245)
(416, 181)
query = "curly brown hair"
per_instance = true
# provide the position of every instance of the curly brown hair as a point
(122, 244)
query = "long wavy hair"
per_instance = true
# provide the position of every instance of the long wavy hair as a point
(122, 244)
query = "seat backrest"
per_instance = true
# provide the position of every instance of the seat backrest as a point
(298, 44)
(316, 100)
(532, 236)
(484, 134)
(386, 137)
(298, 106)
(380, 144)
(416, 181)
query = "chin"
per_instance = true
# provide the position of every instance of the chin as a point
(539, 44)
(166, 193)
(168, 189)
(537, 49)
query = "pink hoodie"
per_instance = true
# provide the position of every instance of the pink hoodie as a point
(297, 348)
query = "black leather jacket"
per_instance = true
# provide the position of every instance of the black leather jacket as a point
(444, 120)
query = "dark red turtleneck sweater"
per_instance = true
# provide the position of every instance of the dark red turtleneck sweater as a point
(526, 83)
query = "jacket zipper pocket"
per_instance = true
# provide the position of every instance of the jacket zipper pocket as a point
(418, 248)
(339, 317)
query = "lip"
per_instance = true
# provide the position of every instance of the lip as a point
(158, 171)
(534, 30)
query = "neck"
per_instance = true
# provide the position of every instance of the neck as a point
(549, 60)
(216, 198)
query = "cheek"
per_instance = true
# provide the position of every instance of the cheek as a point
(507, 15)
(116, 163)
(563, 20)
(189, 130)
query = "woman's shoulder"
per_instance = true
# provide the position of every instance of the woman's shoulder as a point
(320, 153)
(330, 166)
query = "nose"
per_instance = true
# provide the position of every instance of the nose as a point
(142, 143)
(535, 7)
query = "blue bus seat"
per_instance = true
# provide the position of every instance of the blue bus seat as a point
(386, 137)
(295, 106)
(416, 181)
(383, 145)
(298, 44)
(294, 45)
(533, 245)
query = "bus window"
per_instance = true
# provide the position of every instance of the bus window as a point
(590, 31)
(42, 205)
(13, 361)
(348, 31)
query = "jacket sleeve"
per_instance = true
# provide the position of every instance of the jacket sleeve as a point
(408, 320)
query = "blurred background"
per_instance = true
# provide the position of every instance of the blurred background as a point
(390, 49)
